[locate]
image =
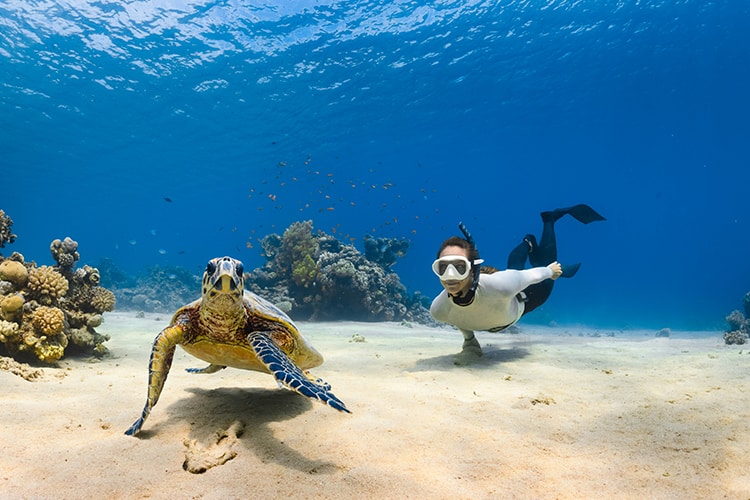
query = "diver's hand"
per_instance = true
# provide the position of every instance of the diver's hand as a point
(556, 270)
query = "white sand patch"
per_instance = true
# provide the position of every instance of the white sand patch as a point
(547, 413)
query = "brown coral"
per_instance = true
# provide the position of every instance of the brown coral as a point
(11, 305)
(103, 300)
(88, 275)
(13, 271)
(65, 252)
(46, 348)
(93, 299)
(48, 320)
(47, 284)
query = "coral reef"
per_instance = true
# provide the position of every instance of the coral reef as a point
(6, 236)
(385, 251)
(65, 253)
(314, 276)
(162, 289)
(739, 324)
(111, 276)
(47, 310)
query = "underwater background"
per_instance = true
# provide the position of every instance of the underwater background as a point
(170, 132)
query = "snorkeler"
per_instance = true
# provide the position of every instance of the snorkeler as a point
(487, 299)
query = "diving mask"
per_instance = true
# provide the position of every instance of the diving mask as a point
(453, 267)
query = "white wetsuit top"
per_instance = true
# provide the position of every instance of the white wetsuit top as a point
(495, 305)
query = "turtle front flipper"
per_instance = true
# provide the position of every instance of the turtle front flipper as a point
(289, 374)
(162, 354)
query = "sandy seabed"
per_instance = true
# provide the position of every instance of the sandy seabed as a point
(546, 413)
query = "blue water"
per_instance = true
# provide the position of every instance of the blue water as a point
(396, 119)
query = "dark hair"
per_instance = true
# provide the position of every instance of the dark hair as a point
(457, 241)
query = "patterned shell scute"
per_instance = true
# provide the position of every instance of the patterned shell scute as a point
(258, 306)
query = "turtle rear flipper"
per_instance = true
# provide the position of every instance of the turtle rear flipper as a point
(209, 369)
(289, 374)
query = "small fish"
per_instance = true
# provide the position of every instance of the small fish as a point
(132, 242)
(162, 251)
(168, 199)
(153, 232)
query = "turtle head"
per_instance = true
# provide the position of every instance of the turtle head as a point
(223, 282)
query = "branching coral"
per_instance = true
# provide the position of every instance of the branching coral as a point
(48, 320)
(47, 285)
(102, 300)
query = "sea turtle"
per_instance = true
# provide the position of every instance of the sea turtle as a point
(230, 326)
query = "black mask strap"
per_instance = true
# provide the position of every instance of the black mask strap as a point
(467, 299)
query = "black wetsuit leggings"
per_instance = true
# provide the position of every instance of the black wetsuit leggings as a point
(539, 255)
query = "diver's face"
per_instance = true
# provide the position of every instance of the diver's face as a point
(452, 286)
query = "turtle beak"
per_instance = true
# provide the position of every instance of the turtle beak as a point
(226, 277)
(226, 283)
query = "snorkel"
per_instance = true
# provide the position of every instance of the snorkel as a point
(468, 298)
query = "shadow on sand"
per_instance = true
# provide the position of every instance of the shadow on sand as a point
(491, 357)
(212, 411)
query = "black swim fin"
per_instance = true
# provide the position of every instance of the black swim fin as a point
(582, 213)
(568, 271)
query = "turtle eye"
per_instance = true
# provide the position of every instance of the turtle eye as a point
(211, 267)
(240, 269)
